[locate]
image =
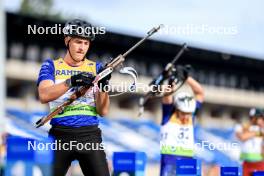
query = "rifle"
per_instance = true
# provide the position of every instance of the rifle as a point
(165, 74)
(109, 68)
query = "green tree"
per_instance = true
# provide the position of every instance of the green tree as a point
(39, 8)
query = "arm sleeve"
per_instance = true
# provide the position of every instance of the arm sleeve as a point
(198, 107)
(99, 67)
(167, 110)
(46, 71)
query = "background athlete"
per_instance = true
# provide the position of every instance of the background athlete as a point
(177, 133)
(251, 135)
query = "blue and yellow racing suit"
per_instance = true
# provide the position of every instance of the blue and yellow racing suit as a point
(77, 122)
(177, 138)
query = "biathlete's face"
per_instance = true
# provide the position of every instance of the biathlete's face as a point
(78, 48)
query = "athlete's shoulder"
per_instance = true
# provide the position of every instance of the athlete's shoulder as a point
(48, 61)
(90, 63)
(86, 60)
(58, 60)
(98, 65)
(46, 71)
(47, 64)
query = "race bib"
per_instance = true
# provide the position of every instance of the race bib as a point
(177, 139)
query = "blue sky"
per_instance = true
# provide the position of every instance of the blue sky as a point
(241, 20)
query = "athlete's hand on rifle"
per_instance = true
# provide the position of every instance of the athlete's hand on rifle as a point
(170, 73)
(180, 74)
(183, 71)
(82, 79)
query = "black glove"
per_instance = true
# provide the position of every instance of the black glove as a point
(173, 80)
(104, 82)
(182, 72)
(82, 79)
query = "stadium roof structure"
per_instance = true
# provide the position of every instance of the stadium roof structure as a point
(221, 66)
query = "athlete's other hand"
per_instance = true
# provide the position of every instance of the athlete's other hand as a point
(182, 72)
(104, 82)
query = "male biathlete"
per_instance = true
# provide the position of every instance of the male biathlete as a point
(177, 127)
(76, 127)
